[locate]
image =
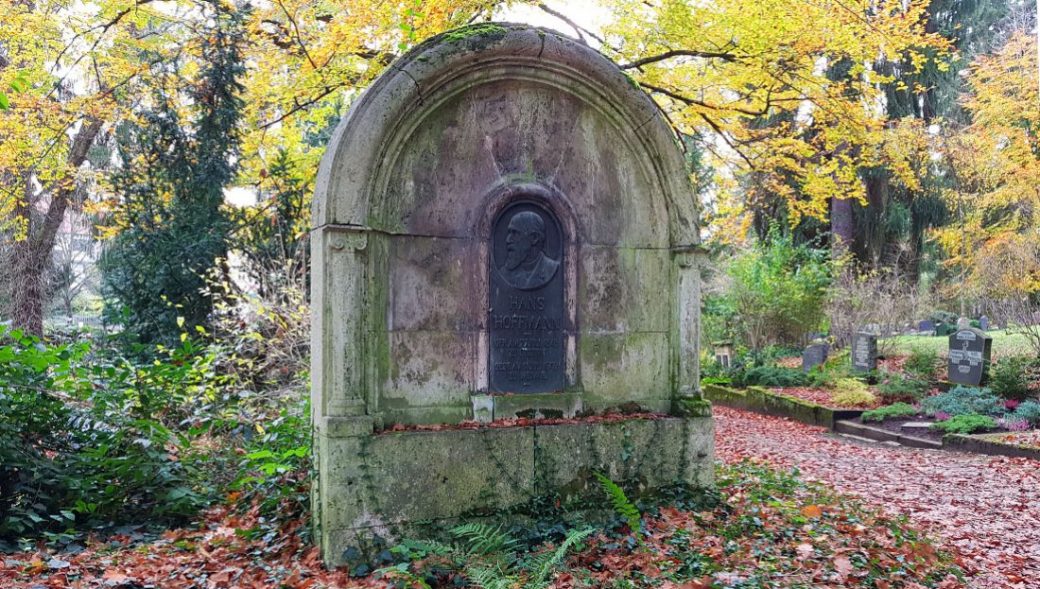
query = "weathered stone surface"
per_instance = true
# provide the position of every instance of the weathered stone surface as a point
(617, 368)
(620, 290)
(402, 478)
(410, 227)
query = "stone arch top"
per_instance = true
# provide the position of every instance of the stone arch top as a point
(363, 183)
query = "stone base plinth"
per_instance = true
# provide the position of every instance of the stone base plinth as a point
(391, 485)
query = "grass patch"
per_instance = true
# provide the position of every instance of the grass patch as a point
(1004, 344)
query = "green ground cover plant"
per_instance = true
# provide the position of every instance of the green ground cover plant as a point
(965, 424)
(889, 411)
(895, 388)
(1029, 411)
(849, 392)
(770, 376)
(963, 400)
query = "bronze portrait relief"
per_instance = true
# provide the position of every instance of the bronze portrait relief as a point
(526, 265)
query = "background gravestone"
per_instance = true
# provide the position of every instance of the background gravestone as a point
(969, 356)
(864, 352)
(984, 323)
(503, 227)
(814, 355)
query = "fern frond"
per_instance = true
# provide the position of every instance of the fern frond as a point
(544, 564)
(622, 505)
(489, 578)
(483, 539)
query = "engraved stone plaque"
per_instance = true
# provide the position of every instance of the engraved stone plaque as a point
(969, 356)
(864, 352)
(526, 316)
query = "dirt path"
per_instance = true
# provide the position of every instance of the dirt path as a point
(987, 507)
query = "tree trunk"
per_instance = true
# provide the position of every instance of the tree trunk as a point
(843, 229)
(32, 255)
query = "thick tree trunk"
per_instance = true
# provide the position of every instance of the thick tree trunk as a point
(843, 229)
(32, 255)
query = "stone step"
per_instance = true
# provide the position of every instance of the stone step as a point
(882, 435)
(859, 438)
(916, 426)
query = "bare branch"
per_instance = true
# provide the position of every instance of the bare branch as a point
(694, 102)
(723, 55)
(581, 31)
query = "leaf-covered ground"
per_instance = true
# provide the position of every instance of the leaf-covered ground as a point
(768, 530)
(987, 508)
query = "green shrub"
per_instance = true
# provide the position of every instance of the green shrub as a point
(778, 290)
(922, 364)
(849, 392)
(80, 444)
(829, 373)
(770, 376)
(1029, 411)
(965, 424)
(1009, 378)
(896, 388)
(893, 410)
(963, 401)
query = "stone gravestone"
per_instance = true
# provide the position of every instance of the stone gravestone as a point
(503, 227)
(926, 326)
(814, 355)
(984, 323)
(969, 356)
(864, 352)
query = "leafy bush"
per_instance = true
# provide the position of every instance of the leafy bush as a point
(963, 401)
(79, 444)
(850, 392)
(770, 376)
(888, 411)
(895, 388)
(1009, 378)
(921, 364)
(778, 290)
(1029, 411)
(965, 424)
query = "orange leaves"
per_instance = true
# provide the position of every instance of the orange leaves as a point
(812, 511)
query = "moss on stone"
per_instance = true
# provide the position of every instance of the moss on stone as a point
(693, 407)
(483, 30)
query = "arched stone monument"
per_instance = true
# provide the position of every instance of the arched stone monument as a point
(503, 228)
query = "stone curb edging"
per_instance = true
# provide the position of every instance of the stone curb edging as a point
(980, 445)
(760, 400)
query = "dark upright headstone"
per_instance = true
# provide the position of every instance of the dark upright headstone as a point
(984, 323)
(926, 325)
(864, 352)
(969, 356)
(526, 317)
(814, 355)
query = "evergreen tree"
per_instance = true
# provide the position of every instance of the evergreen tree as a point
(172, 229)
